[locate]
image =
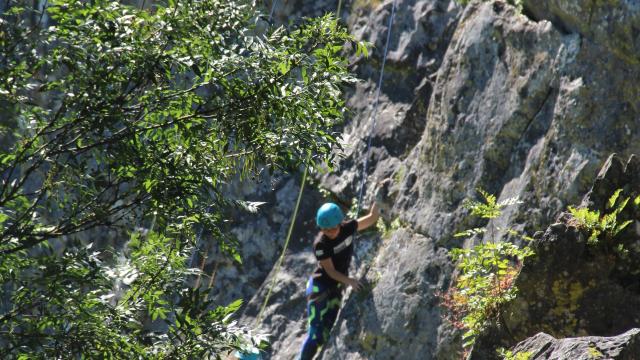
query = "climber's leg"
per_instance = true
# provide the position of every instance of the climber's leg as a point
(316, 308)
(330, 314)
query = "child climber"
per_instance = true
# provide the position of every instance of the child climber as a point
(333, 249)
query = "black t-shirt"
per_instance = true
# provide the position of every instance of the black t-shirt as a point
(339, 250)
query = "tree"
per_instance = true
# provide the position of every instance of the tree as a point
(122, 119)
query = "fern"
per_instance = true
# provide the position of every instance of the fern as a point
(613, 198)
(608, 224)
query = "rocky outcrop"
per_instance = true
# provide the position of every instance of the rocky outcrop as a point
(544, 346)
(596, 292)
(420, 36)
(613, 24)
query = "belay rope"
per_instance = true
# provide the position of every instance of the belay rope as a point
(374, 113)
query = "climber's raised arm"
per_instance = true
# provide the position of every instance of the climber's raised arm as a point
(369, 219)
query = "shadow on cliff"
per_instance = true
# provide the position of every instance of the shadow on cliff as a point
(574, 288)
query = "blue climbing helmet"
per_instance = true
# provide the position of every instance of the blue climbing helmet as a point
(329, 216)
(248, 355)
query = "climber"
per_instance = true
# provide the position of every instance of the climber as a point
(333, 249)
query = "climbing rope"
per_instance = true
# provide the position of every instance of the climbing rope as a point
(286, 242)
(374, 113)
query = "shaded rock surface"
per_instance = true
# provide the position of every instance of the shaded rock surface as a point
(614, 24)
(261, 236)
(571, 287)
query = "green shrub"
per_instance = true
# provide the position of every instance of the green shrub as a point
(486, 274)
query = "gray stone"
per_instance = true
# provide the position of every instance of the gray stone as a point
(614, 24)
(391, 315)
(543, 346)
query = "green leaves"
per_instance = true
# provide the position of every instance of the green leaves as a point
(487, 209)
(362, 49)
(486, 273)
(607, 224)
(471, 232)
(485, 282)
(614, 197)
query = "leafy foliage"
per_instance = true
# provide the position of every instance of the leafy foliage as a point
(486, 273)
(603, 226)
(120, 118)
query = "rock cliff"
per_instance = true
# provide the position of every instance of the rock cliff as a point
(524, 104)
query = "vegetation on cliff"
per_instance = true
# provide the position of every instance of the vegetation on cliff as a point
(485, 272)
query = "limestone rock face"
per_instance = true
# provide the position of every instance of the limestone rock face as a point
(524, 105)
(421, 32)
